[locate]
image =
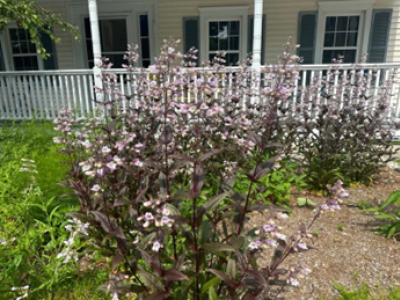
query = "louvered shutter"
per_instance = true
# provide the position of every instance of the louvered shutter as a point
(250, 36)
(51, 62)
(379, 38)
(191, 34)
(306, 36)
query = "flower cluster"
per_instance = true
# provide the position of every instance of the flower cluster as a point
(76, 227)
(23, 290)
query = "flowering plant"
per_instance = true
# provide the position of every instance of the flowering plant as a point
(178, 141)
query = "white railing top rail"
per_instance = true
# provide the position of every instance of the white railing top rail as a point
(225, 69)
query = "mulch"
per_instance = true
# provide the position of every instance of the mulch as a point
(347, 249)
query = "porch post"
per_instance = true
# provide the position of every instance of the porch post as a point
(257, 33)
(94, 28)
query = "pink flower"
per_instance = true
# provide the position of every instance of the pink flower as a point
(111, 165)
(156, 246)
(302, 246)
(294, 281)
(96, 188)
(105, 150)
(280, 236)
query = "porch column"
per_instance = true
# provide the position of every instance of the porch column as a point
(94, 28)
(257, 35)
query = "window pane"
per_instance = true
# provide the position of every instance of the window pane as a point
(32, 48)
(113, 35)
(340, 39)
(234, 43)
(223, 30)
(213, 31)
(353, 23)
(144, 26)
(213, 44)
(26, 63)
(13, 34)
(24, 47)
(223, 44)
(330, 24)
(234, 28)
(16, 49)
(349, 56)
(23, 34)
(329, 39)
(145, 48)
(327, 56)
(342, 23)
(231, 59)
(352, 39)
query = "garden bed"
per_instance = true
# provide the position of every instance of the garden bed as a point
(347, 249)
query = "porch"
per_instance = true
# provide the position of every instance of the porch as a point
(41, 94)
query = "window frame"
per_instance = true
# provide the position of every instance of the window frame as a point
(8, 55)
(229, 13)
(346, 8)
(359, 32)
(208, 36)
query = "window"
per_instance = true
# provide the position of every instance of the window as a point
(113, 36)
(342, 30)
(23, 52)
(341, 38)
(224, 36)
(228, 33)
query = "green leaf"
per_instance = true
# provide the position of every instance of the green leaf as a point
(217, 247)
(209, 284)
(394, 198)
(231, 268)
(305, 201)
(212, 294)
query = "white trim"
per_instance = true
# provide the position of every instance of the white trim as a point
(229, 13)
(348, 7)
(129, 9)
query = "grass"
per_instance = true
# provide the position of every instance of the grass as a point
(33, 215)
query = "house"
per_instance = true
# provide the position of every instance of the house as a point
(324, 28)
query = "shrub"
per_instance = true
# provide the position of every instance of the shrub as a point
(390, 211)
(154, 180)
(343, 129)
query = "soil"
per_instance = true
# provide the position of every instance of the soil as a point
(347, 249)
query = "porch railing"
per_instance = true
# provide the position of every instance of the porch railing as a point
(41, 94)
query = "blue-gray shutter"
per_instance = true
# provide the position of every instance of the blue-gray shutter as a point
(51, 62)
(380, 28)
(250, 36)
(191, 34)
(2, 64)
(306, 35)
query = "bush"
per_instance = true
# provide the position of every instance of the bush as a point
(154, 179)
(343, 130)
